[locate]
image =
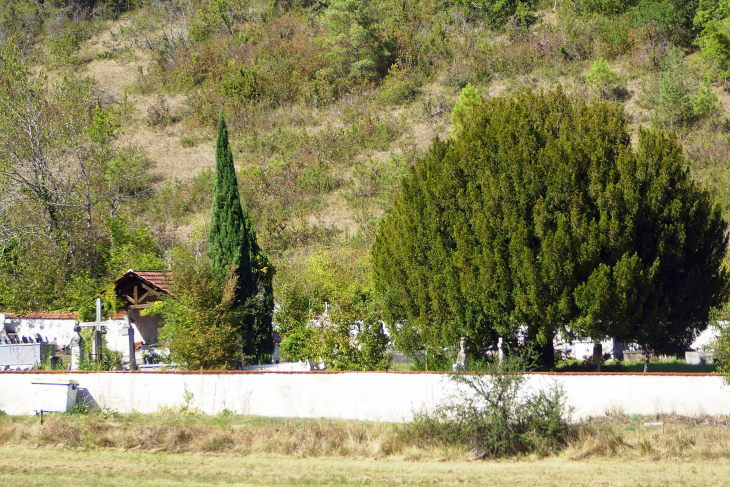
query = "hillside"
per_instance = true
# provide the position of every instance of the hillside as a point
(327, 105)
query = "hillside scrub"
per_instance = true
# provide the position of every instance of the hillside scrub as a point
(328, 106)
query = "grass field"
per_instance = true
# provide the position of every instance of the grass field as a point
(184, 448)
(110, 468)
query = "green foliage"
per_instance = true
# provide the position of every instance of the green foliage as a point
(601, 76)
(671, 100)
(355, 43)
(233, 247)
(132, 249)
(722, 352)
(56, 241)
(497, 415)
(498, 12)
(675, 18)
(469, 102)
(21, 20)
(328, 312)
(539, 215)
(201, 322)
(103, 127)
(108, 359)
(713, 20)
(317, 179)
(78, 409)
(607, 7)
(706, 102)
(399, 87)
(65, 45)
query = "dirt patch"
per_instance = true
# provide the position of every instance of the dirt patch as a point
(336, 213)
(170, 158)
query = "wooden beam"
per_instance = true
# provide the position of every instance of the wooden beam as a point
(147, 287)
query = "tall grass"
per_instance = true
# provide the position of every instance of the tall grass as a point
(661, 437)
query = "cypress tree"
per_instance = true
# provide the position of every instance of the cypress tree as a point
(232, 244)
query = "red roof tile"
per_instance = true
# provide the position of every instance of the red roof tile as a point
(160, 279)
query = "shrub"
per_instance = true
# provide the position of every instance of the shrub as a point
(158, 114)
(201, 322)
(706, 102)
(601, 76)
(497, 415)
(65, 45)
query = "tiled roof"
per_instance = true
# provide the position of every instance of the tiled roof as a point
(160, 279)
(43, 315)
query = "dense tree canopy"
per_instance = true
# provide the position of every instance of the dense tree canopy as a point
(539, 218)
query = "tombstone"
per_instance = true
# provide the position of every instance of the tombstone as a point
(461, 360)
(128, 331)
(76, 349)
(500, 350)
(275, 356)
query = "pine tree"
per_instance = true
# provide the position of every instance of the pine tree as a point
(233, 245)
(469, 101)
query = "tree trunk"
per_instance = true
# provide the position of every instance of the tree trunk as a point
(597, 355)
(546, 354)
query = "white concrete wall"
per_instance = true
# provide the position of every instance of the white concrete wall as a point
(363, 396)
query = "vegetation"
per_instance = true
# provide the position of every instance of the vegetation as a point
(497, 415)
(539, 218)
(329, 104)
(233, 248)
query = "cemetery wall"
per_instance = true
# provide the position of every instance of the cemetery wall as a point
(361, 395)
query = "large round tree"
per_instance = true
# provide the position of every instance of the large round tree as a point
(540, 219)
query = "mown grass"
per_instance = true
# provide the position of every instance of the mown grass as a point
(20, 467)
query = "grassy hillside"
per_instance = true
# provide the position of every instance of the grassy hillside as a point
(328, 103)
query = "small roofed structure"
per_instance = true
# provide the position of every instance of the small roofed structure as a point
(138, 289)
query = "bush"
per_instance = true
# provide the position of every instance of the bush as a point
(496, 415)
(159, 114)
(722, 353)
(202, 321)
(601, 76)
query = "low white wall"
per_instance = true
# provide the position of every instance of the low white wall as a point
(363, 396)
(58, 331)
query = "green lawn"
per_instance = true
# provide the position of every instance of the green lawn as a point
(20, 467)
